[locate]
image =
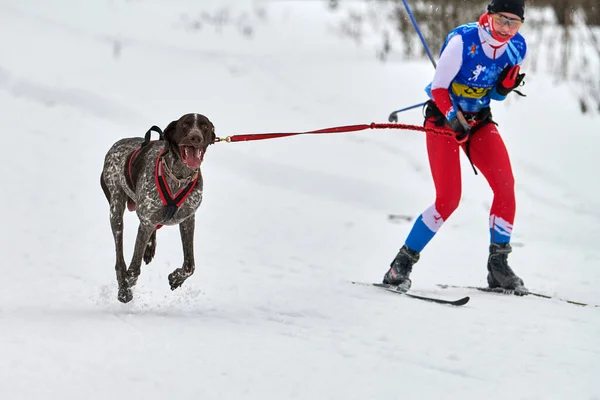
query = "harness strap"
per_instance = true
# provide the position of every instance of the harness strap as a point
(154, 128)
(171, 203)
(135, 153)
(130, 161)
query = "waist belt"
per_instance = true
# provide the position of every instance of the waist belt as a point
(478, 119)
(484, 116)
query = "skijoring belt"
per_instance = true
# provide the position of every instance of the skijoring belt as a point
(481, 119)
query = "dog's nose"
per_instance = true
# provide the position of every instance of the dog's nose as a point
(195, 138)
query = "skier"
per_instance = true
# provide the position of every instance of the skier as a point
(479, 62)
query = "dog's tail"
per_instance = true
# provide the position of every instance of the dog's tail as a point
(104, 187)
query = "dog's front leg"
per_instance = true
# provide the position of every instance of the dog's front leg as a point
(141, 242)
(177, 277)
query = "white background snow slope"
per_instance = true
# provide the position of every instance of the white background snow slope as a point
(286, 224)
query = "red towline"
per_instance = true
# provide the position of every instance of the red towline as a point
(338, 129)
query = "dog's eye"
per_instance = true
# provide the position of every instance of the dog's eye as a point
(184, 125)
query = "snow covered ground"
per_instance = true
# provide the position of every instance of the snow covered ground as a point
(286, 224)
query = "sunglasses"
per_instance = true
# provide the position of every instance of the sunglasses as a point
(502, 20)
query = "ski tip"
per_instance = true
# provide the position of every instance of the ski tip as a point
(463, 301)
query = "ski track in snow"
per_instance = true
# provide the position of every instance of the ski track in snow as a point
(86, 101)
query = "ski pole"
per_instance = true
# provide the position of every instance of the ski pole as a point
(394, 115)
(414, 21)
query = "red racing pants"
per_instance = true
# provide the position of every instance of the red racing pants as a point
(489, 155)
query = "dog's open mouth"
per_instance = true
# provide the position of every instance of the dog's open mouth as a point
(191, 156)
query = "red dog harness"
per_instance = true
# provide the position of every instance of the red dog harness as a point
(171, 203)
(164, 191)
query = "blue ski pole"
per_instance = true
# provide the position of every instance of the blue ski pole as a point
(414, 21)
(394, 115)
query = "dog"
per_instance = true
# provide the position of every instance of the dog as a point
(161, 181)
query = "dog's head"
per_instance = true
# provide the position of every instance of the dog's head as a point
(189, 138)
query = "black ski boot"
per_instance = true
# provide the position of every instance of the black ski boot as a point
(401, 268)
(500, 274)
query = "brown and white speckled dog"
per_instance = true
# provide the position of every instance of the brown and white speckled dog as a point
(161, 181)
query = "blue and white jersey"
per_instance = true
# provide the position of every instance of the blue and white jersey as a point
(470, 64)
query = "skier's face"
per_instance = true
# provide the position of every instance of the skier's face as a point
(506, 25)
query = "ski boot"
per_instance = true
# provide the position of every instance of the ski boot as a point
(500, 275)
(400, 269)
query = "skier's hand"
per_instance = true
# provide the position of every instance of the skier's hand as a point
(509, 79)
(461, 127)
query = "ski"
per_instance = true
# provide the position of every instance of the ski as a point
(505, 291)
(395, 289)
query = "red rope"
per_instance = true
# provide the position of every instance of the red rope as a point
(348, 128)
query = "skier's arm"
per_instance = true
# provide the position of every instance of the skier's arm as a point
(494, 95)
(448, 66)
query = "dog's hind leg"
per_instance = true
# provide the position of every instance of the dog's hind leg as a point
(145, 231)
(117, 209)
(150, 248)
(186, 229)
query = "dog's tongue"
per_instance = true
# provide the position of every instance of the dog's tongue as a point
(191, 156)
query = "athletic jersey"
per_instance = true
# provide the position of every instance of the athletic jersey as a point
(471, 66)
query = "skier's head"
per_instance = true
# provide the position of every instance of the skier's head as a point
(505, 17)
(516, 7)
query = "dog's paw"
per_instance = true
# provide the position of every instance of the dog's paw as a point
(177, 277)
(125, 295)
(131, 279)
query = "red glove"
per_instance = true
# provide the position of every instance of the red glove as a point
(509, 79)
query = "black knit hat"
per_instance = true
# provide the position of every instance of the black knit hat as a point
(516, 7)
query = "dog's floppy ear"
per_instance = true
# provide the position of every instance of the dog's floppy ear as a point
(168, 134)
(213, 136)
(169, 130)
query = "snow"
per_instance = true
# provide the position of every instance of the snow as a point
(285, 225)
